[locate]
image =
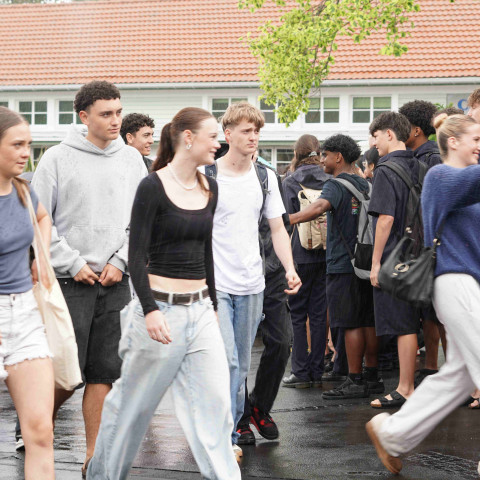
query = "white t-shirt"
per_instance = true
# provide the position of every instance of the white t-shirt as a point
(236, 250)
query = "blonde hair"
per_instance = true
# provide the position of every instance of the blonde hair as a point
(450, 126)
(237, 112)
(474, 98)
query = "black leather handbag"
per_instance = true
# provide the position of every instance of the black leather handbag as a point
(410, 277)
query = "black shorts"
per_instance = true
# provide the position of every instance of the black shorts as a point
(95, 312)
(350, 301)
(393, 316)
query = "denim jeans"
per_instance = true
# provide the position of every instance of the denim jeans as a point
(239, 317)
(195, 367)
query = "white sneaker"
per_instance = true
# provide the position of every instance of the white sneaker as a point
(238, 452)
(19, 445)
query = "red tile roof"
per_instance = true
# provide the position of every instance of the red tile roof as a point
(181, 41)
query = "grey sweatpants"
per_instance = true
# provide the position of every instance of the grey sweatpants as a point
(457, 303)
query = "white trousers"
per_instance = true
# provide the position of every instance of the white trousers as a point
(457, 303)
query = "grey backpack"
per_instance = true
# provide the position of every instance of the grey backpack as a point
(361, 257)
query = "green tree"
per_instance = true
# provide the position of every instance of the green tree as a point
(296, 53)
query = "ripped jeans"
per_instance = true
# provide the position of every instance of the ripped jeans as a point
(195, 366)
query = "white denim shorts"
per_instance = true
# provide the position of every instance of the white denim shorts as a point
(22, 330)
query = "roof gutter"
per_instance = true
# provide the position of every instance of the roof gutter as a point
(217, 85)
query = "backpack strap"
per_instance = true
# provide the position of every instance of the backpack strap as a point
(211, 170)
(401, 172)
(353, 190)
(262, 175)
(422, 171)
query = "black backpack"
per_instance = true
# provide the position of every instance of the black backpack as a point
(413, 210)
(262, 175)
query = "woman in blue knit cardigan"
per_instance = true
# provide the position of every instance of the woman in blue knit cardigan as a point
(451, 194)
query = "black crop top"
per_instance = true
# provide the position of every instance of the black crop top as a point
(169, 241)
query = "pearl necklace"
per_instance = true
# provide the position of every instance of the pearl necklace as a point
(178, 181)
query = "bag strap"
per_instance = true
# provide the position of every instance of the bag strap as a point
(400, 171)
(211, 170)
(362, 197)
(262, 176)
(38, 245)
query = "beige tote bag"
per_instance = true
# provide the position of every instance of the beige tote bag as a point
(55, 315)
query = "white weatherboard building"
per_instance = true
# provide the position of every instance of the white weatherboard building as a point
(169, 54)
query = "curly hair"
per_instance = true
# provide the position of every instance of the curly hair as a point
(133, 122)
(420, 114)
(396, 122)
(343, 144)
(474, 98)
(93, 91)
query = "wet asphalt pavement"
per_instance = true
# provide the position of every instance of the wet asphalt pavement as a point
(318, 440)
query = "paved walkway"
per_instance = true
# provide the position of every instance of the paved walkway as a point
(318, 440)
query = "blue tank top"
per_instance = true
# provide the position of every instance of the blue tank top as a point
(16, 236)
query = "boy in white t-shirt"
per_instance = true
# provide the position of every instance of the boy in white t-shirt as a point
(239, 275)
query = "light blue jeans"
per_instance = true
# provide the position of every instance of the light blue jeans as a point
(195, 366)
(239, 317)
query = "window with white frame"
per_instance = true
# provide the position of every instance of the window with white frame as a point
(323, 110)
(66, 113)
(268, 112)
(3, 104)
(365, 109)
(266, 153)
(220, 105)
(34, 112)
(284, 159)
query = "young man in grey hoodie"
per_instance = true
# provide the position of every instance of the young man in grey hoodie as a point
(87, 184)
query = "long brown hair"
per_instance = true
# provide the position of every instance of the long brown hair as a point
(9, 119)
(188, 118)
(307, 151)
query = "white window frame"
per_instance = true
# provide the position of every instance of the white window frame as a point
(76, 119)
(230, 99)
(371, 110)
(322, 110)
(33, 112)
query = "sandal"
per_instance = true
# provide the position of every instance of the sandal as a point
(85, 468)
(397, 401)
(471, 405)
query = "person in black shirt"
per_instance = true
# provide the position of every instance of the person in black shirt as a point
(349, 299)
(420, 115)
(137, 131)
(171, 336)
(388, 208)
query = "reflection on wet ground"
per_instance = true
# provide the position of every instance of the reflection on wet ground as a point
(318, 440)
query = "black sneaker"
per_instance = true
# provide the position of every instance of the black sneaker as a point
(375, 386)
(328, 367)
(19, 445)
(422, 374)
(293, 381)
(265, 425)
(334, 377)
(246, 435)
(348, 389)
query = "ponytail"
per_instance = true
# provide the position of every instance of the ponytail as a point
(166, 149)
(21, 186)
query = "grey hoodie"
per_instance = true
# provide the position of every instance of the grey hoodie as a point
(88, 192)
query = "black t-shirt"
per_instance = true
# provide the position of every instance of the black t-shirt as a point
(344, 217)
(390, 195)
(172, 241)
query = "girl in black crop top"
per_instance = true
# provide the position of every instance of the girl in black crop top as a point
(172, 336)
